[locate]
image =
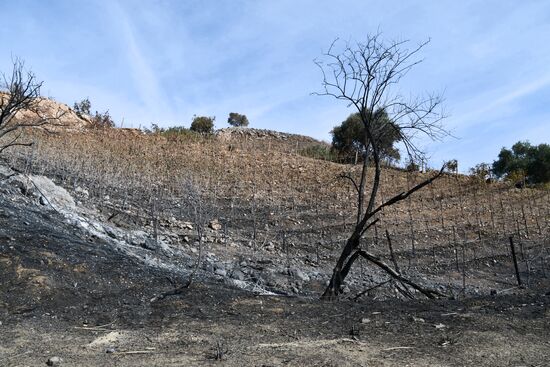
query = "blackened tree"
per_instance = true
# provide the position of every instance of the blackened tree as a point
(364, 75)
(20, 106)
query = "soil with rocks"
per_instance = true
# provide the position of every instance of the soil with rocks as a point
(81, 288)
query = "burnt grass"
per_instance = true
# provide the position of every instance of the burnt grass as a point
(68, 293)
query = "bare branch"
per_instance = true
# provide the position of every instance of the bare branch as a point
(364, 75)
(20, 104)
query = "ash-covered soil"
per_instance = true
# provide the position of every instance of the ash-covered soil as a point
(78, 287)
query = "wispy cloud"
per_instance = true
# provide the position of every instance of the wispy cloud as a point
(144, 76)
(163, 61)
(497, 101)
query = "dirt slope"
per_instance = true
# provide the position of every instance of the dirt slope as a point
(71, 294)
(83, 254)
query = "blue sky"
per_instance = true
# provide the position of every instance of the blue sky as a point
(164, 61)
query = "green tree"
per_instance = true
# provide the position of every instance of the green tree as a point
(237, 120)
(349, 138)
(532, 161)
(203, 124)
(452, 166)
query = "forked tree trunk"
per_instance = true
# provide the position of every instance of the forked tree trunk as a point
(333, 289)
(351, 250)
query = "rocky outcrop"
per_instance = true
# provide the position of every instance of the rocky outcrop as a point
(232, 133)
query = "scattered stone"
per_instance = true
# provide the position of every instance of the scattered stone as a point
(238, 274)
(270, 247)
(220, 271)
(54, 361)
(365, 320)
(215, 225)
(110, 232)
(82, 191)
(298, 274)
(138, 238)
(187, 225)
(5, 172)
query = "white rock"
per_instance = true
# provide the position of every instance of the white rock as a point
(54, 195)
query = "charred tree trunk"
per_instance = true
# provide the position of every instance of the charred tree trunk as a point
(346, 259)
(362, 75)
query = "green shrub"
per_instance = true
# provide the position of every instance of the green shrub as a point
(319, 151)
(412, 166)
(481, 171)
(102, 120)
(173, 133)
(83, 107)
(203, 124)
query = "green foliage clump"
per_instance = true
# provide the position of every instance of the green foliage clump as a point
(319, 151)
(203, 124)
(524, 160)
(412, 166)
(83, 107)
(349, 139)
(237, 120)
(173, 133)
(102, 120)
(481, 171)
(452, 166)
(99, 120)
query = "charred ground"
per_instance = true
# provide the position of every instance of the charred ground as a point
(78, 281)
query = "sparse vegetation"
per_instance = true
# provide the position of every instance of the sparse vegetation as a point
(190, 244)
(320, 151)
(173, 133)
(412, 166)
(101, 120)
(458, 223)
(481, 171)
(452, 166)
(83, 107)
